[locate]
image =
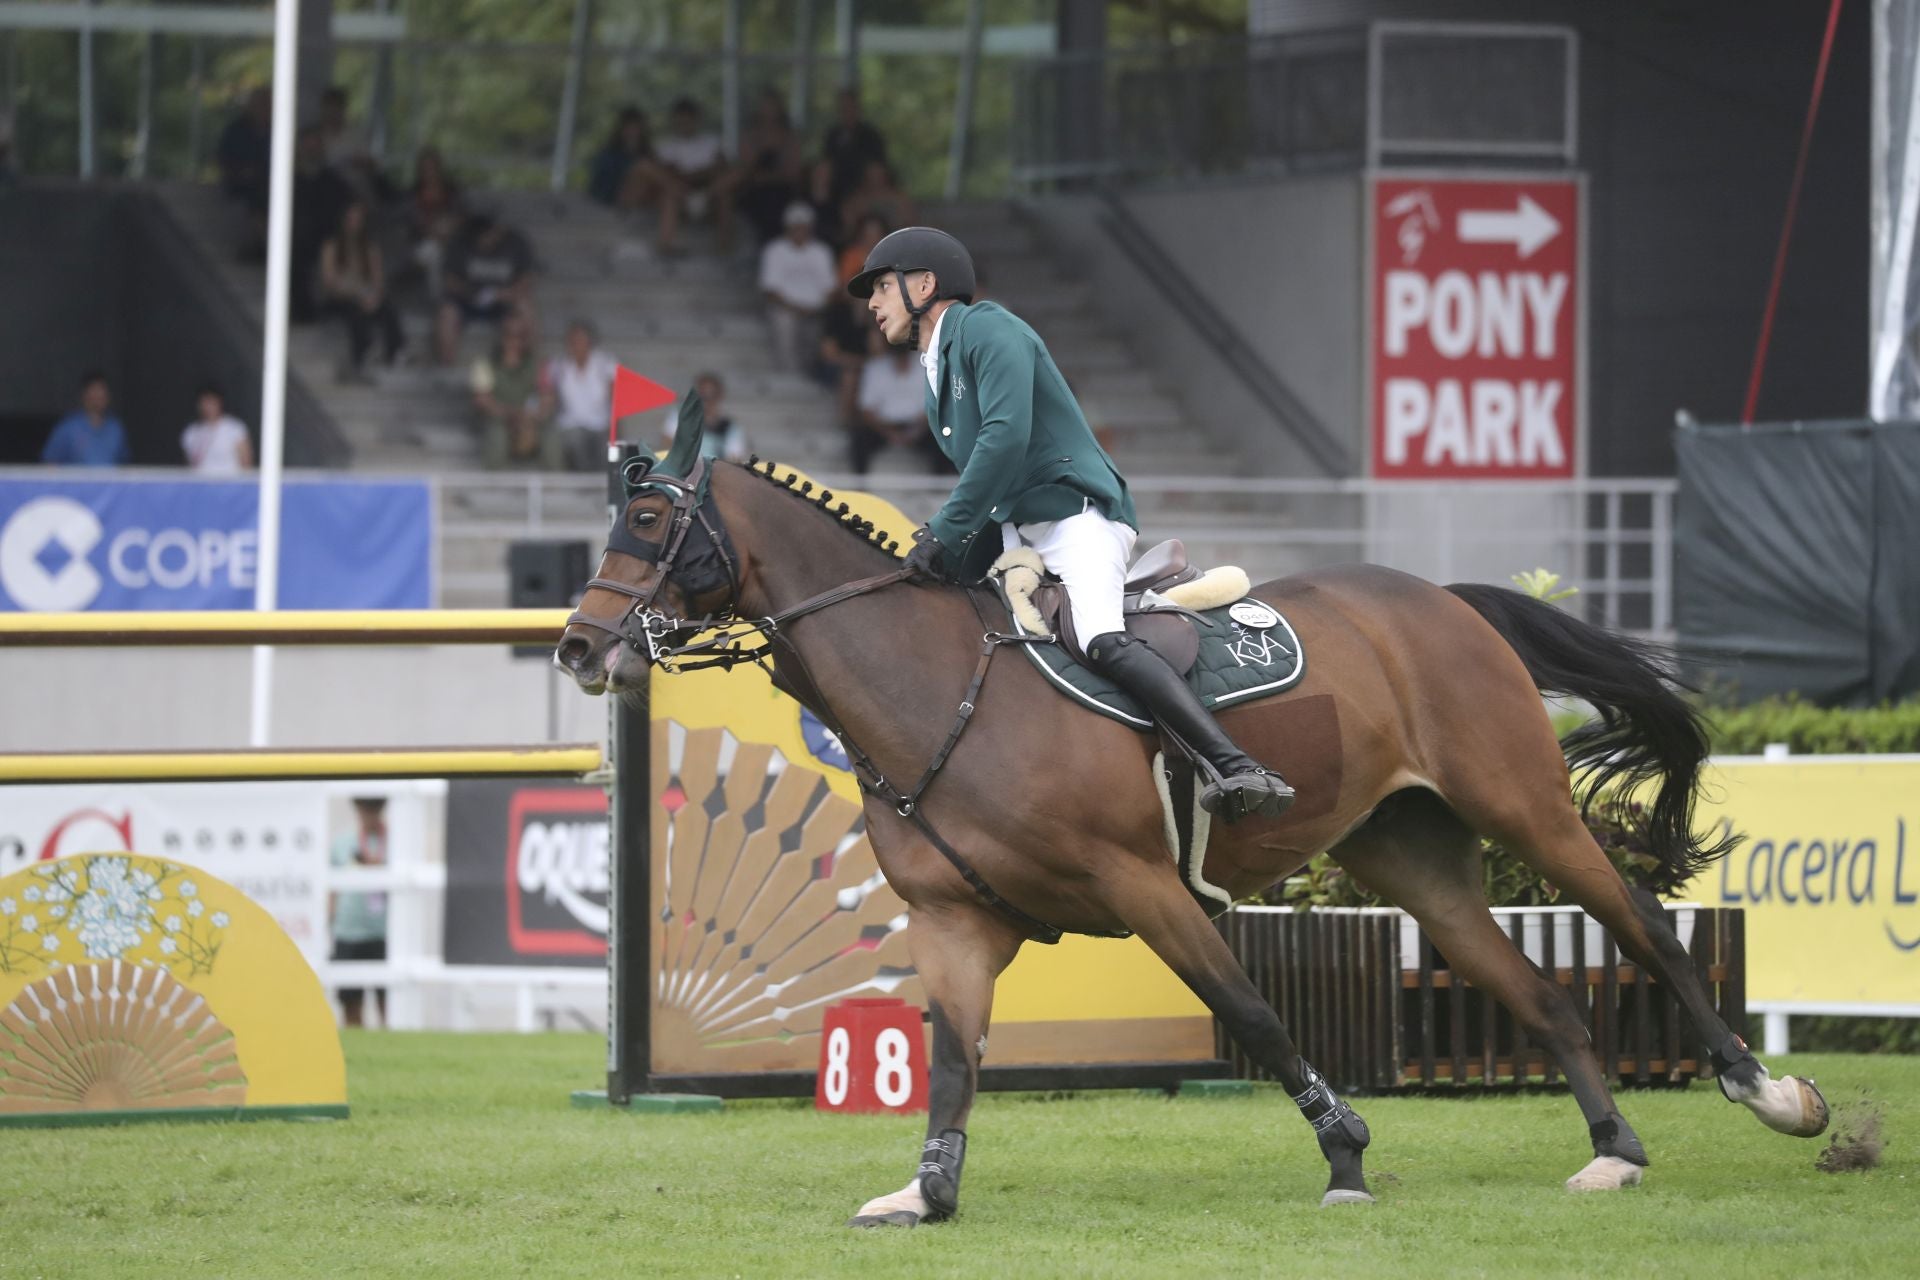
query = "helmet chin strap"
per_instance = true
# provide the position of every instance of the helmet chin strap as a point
(913, 329)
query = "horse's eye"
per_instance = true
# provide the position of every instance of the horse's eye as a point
(646, 519)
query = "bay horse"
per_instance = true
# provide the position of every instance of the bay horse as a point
(1418, 729)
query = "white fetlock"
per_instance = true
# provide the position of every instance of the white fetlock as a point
(1788, 1105)
(904, 1208)
(1605, 1173)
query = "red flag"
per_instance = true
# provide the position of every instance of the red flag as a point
(633, 394)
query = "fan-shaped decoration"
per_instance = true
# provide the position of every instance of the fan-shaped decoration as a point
(114, 1037)
(770, 907)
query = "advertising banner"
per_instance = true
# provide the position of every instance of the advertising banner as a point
(1829, 875)
(1476, 341)
(526, 873)
(266, 839)
(187, 544)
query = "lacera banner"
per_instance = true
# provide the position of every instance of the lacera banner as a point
(185, 544)
(1829, 875)
(266, 839)
(526, 873)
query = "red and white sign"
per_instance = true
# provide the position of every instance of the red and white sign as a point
(1476, 329)
(873, 1057)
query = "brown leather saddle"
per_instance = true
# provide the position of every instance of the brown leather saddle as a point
(1168, 628)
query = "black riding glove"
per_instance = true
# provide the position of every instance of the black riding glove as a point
(927, 558)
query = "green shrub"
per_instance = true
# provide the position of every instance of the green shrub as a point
(1811, 730)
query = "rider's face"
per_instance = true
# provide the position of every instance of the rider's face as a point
(889, 309)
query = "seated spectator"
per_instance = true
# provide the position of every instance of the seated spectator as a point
(353, 286)
(868, 232)
(432, 215)
(797, 278)
(579, 388)
(320, 197)
(510, 405)
(892, 408)
(246, 160)
(850, 146)
(697, 176)
(843, 352)
(771, 169)
(879, 196)
(488, 276)
(723, 439)
(216, 443)
(625, 172)
(89, 436)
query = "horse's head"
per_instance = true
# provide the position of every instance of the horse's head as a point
(669, 569)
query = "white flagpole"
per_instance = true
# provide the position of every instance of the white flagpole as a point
(273, 364)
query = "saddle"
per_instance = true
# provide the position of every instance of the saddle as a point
(1164, 596)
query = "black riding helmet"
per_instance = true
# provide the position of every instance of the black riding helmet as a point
(918, 249)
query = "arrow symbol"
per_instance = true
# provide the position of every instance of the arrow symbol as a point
(1526, 227)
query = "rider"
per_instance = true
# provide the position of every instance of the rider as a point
(1032, 474)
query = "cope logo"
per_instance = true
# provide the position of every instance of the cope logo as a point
(43, 555)
(557, 872)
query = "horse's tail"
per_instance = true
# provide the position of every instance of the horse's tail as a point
(1645, 730)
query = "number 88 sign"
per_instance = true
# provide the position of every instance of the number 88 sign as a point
(873, 1057)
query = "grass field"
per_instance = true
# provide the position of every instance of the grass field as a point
(464, 1159)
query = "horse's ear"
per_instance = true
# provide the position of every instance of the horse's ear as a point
(686, 438)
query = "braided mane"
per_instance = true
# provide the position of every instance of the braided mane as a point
(849, 520)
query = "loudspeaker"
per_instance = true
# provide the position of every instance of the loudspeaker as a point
(546, 575)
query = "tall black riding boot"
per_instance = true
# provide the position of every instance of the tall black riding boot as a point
(1242, 786)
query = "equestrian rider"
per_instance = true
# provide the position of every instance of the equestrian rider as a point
(1032, 474)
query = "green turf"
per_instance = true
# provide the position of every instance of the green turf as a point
(464, 1159)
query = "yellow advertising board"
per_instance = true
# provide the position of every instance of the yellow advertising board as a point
(1829, 876)
(768, 906)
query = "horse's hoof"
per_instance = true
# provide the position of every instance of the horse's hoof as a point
(1813, 1108)
(906, 1207)
(1343, 1196)
(898, 1218)
(1605, 1173)
(1788, 1105)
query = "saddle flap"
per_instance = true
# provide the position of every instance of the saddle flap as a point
(1160, 566)
(1171, 634)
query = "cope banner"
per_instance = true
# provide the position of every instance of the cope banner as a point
(526, 873)
(1475, 357)
(187, 544)
(1829, 875)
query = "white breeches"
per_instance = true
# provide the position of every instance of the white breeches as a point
(1089, 553)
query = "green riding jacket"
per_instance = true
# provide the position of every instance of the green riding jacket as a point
(1009, 422)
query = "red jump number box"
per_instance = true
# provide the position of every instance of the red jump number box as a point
(873, 1057)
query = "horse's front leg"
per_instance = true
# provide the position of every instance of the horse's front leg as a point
(958, 950)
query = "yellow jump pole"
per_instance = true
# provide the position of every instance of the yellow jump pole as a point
(285, 627)
(556, 760)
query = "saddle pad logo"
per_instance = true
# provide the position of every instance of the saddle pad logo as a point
(1253, 614)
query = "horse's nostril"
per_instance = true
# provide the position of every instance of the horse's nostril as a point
(573, 651)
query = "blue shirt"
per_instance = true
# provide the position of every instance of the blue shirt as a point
(76, 442)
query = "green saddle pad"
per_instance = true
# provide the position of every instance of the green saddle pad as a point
(1248, 650)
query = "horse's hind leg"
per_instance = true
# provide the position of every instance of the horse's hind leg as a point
(1416, 852)
(1553, 841)
(958, 952)
(1154, 904)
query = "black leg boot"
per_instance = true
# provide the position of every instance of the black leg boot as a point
(1242, 787)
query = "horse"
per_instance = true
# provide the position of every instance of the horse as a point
(1418, 728)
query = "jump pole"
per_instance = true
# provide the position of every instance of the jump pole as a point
(284, 627)
(571, 760)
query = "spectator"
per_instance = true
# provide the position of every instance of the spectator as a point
(771, 169)
(625, 173)
(488, 276)
(892, 408)
(433, 215)
(579, 387)
(348, 150)
(797, 277)
(511, 404)
(359, 920)
(851, 145)
(843, 352)
(697, 176)
(353, 286)
(216, 443)
(89, 436)
(723, 438)
(879, 196)
(7, 174)
(320, 197)
(246, 159)
(868, 232)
